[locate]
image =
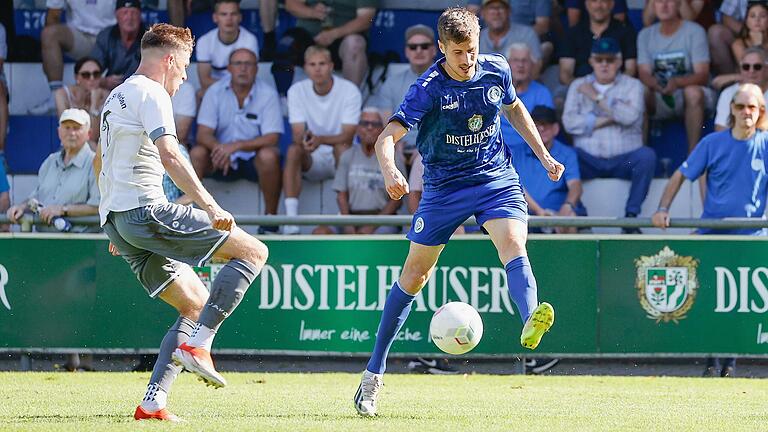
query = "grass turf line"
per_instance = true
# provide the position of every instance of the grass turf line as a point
(323, 401)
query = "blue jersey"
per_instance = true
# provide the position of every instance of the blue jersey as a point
(459, 136)
(736, 176)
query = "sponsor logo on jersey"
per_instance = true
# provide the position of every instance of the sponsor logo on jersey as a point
(471, 139)
(494, 94)
(475, 123)
(451, 106)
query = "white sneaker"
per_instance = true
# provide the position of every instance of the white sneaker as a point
(291, 229)
(367, 393)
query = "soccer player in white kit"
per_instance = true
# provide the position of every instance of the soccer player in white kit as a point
(161, 240)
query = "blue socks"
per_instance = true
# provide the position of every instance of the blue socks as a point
(522, 286)
(396, 310)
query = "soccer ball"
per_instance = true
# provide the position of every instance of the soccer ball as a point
(456, 328)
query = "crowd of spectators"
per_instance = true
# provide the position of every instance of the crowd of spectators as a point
(593, 81)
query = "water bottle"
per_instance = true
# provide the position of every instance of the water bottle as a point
(61, 224)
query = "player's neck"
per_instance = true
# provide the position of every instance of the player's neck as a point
(742, 134)
(323, 88)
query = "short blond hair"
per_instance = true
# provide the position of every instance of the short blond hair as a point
(457, 25)
(317, 49)
(168, 37)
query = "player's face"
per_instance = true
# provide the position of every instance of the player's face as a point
(369, 128)
(318, 68)
(666, 9)
(746, 109)
(606, 67)
(496, 16)
(521, 65)
(128, 19)
(460, 58)
(599, 10)
(243, 67)
(227, 17)
(752, 69)
(73, 135)
(420, 51)
(177, 71)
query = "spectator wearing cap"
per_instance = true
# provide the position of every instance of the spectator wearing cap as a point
(575, 49)
(238, 129)
(673, 64)
(545, 197)
(420, 50)
(118, 48)
(604, 114)
(66, 181)
(500, 32)
(753, 70)
(532, 93)
(76, 38)
(213, 48)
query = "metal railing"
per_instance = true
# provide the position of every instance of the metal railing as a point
(399, 220)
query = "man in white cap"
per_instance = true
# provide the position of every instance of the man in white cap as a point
(66, 184)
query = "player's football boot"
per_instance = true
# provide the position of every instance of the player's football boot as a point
(161, 414)
(367, 393)
(538, 323)
(198, 361)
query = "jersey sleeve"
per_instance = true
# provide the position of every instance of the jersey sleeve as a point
(697, 161)
(416, 104)
(506, 78)
(156, 115)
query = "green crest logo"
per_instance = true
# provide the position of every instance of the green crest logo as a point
(666, 285)
(475, 123)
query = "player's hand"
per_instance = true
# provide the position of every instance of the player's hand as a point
(660, 219)
(554, 168)
(14, 213)
(221, 219)
(49, 212)
(395, 184)
(113, 249)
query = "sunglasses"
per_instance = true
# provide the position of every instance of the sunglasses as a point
(90, 75)
(749, 108)
(424, 46)
(372, 124)
(757, 67)
(606, 60)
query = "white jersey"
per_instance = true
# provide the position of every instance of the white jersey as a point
(88, 16)
(210, 49)
(136, 113)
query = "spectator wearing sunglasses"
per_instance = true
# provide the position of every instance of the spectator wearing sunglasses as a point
(420, 50)
(85, 94)
(753, 70)
(604, 114)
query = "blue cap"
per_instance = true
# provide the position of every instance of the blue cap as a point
(606, 45)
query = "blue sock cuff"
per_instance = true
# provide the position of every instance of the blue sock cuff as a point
(518, 262)
(400, 291)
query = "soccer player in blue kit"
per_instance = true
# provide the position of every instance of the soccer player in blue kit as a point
(467, 171)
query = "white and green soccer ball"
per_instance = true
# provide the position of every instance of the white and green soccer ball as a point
(456, 328)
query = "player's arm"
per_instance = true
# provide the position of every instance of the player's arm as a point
(519, 117)
(661, 217)
(394, 181)
(182, 174)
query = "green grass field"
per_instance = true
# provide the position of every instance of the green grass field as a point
(322, 401)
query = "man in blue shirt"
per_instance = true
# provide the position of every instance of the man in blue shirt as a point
(530, 92)
(544, 197)
(735, 163)
(457, 104)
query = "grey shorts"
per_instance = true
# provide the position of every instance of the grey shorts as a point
(158, 240)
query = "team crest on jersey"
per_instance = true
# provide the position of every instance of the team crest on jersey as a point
(666, 285)
(475, 123)
(494, 94)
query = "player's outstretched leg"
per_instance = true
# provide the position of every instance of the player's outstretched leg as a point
(246, 257)
(396, 310)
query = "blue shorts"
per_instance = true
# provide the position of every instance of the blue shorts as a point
(440, 213)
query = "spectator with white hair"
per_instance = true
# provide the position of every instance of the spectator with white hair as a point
(359, 184)
(531, 92)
